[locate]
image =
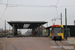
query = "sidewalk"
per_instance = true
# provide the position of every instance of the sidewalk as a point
(71, 40)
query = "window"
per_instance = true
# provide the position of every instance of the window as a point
(57, 30)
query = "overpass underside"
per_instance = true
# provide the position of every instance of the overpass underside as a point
(26, 25)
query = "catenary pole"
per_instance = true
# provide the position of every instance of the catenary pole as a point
(66, 21)
(61, 18)
(5, 27)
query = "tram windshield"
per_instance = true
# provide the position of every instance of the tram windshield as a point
(57, 29)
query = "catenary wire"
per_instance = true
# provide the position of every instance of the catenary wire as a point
(57, 2)
(3, 12)
(5, 9)
(56, 8)
(21, 5)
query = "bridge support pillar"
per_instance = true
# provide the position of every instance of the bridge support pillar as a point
(14, 30)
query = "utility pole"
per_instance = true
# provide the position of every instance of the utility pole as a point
(9, 30)
(61, 18)
(5, 27)
(66, 21)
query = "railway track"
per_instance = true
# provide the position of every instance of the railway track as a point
(66, 45)
(5, 48)
(63, 46)
(3, 45)
(57, 44)
(49, 41)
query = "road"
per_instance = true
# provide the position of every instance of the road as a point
(34, 43)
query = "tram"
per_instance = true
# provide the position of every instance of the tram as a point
(57, 32)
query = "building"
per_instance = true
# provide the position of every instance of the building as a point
(70, 30)
(41, 31)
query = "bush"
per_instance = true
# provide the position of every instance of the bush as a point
(11, 33)
(19, 33)
(2, 34)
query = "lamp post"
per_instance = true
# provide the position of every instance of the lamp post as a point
(5, 27)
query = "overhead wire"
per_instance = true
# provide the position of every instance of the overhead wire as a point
(21, 5)
(57, 2)
(56, 8)
(56, 12)
(5, 9)
(2, 3)
(3, 13)
(67, 6)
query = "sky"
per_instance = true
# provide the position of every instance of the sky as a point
(40, 11)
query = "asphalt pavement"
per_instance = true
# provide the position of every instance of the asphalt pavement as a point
(35, 43)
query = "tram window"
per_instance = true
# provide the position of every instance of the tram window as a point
(57, 30)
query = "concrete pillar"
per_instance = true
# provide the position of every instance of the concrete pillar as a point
(14, 30)
(39, 31)
(33, 32)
